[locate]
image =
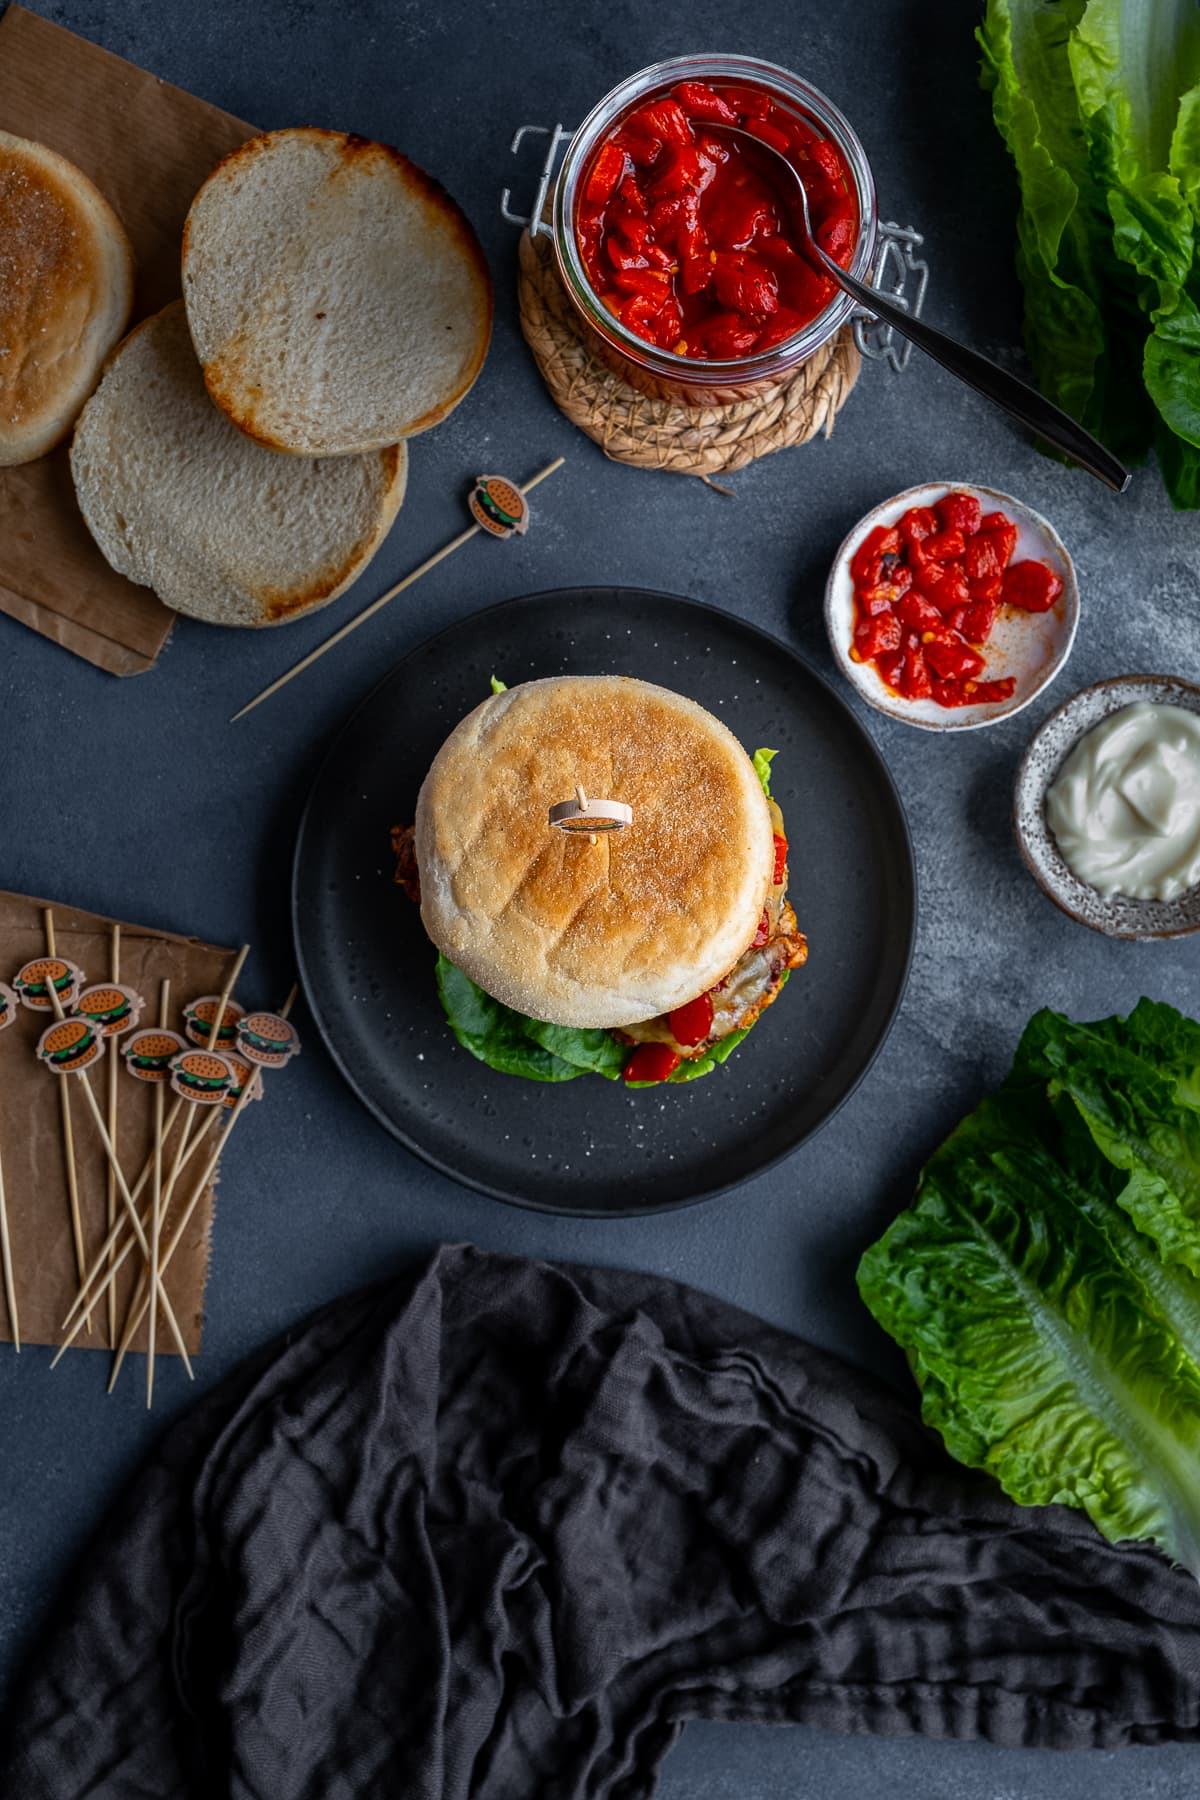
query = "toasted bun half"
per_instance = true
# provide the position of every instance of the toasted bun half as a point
(66, 287)
(220, 528)
(587, 934)
(337, 297)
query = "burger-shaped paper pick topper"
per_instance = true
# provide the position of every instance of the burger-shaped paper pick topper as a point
(70, 1045)
(201, 1077)
(149, 1054)
(35, 980)
(242, 1073)
(199, 1016)
(267, 1039)
(499, 506)
(113, 1009)
(9, 1005)
(590, 816)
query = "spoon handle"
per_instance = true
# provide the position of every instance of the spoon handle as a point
(980, 372)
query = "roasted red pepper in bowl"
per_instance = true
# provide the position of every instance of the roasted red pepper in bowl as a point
(927, 594)
(685, 236)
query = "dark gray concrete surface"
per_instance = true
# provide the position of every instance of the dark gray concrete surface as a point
(161, 820)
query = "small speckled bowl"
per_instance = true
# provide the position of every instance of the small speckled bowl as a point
(1032, 647)
(1118, 916)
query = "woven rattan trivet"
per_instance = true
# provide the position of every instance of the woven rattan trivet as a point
(632, 428)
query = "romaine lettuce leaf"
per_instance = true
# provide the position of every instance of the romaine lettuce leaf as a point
(1099, 103)
(1133, 62)
(1134, 1083)
(1065, 259)
(1038, 1282)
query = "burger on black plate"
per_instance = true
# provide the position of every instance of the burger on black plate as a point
(604, 872)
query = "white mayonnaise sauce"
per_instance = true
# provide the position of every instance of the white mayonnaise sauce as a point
(1125, 806)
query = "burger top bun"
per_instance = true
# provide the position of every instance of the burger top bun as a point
(584, 934)
(337, 297)
(66, 287)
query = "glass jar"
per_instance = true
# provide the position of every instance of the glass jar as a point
(693, 380)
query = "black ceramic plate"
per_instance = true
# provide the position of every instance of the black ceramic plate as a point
(589, 1146)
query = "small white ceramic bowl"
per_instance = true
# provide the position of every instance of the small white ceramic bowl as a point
(1117, 916)
(1032, 647)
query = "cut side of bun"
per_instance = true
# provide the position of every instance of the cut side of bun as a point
(221, 529)
(66, 288)
(337, 297)
(603, 934)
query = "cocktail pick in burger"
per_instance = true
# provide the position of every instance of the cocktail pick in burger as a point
(69, 1047)
(50, 984)
(9, 1006)
(498, 509)
(265, 1040)
(116, 1010)
(148, 1057)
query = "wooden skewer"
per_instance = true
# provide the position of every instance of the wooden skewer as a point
(108, 1247)
(68, 1133)
(190, 1112)
(210, 1169)
(369, 612)
(148, 1166)
(213, 1034)
(128, 1245)
(10, 1288)
(122, 1185)
(182, 1157)
(110, 1215)
(156, 1204)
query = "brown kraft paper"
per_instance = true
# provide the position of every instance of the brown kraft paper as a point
(31, 1139)
(147, 146)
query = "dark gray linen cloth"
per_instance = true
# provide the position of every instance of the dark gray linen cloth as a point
(498, 1529)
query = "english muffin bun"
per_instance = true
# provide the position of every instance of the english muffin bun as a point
(583, 934)
(337, 297)
(66, 287)
(220, 528)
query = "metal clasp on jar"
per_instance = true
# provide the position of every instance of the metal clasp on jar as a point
(892, 269)
(535, 219)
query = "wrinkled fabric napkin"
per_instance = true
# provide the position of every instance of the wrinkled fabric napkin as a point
(500, 1528)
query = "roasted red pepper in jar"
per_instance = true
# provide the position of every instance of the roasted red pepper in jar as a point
(927, 593)
(685, 236)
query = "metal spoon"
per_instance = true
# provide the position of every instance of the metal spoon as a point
(1015, 396)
